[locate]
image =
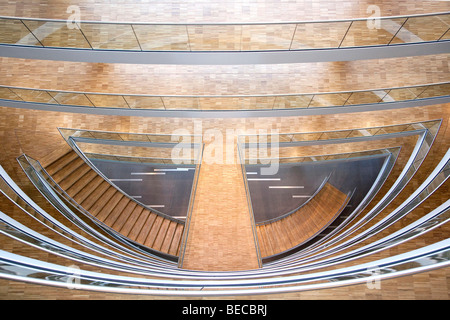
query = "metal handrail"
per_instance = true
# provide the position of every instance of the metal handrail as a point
(227, 95)
(50, 192)
(241, 286)
(228, 23)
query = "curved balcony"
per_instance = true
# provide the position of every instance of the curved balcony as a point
(224, 43)
(221, 105)
(267, 280)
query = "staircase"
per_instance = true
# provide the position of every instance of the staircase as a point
(288, 232)
(109, 205)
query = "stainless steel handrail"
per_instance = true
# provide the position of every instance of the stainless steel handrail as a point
(228, 23)
(49, 192)
(441, 167)
(166, 106)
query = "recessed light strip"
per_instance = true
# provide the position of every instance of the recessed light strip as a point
(286, 187)
(147, 173)
(174, 169)
(263, 179)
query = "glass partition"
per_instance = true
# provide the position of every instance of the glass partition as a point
(226, 102)
(301, 35)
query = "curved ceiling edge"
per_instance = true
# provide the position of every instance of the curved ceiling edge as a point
(223, 57)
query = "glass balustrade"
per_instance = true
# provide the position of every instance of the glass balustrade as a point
(306, 35)
(226, 102)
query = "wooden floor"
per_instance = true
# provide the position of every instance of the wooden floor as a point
(220, 231)
(225, 80)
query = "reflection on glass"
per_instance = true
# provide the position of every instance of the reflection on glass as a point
(8, 94)
(319, 35)
(222, 103)
(108, 101)
(143, 102)
(75, 99)
(225, 37)
(105, 135)
(371, 32)
(401, 94)
(235, 103)
(162, 37)
(226, 102)
(362, 97)
(110, 36)
(57, 34)
(15, 32)
(133, 137)
(419, 29)
(31, 95)
(306, 136)
(329, 99)
(446, 36)
(435, 91)
(334, 135)
(181, 103)
(214, 37)
(285, 102)
(267, 37)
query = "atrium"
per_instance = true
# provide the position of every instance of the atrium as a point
(241, 149)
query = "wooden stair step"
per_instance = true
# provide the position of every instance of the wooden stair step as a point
(176, 240)
(159, 240)
(67, 170)
(76, 175)
(262, 241)
(125, 215)
(149, 232)
(81, 183)
(118, 209)
(61, 162)
(140, 221)
(88, 189)
(56, 154)
(93, 196)
(169, 237)
(107, 208)
(101, 202)
(130, 221)
(105, 202)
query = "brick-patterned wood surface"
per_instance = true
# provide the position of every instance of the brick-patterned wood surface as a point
(220, 231)
(223, 80)
(217, 10)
